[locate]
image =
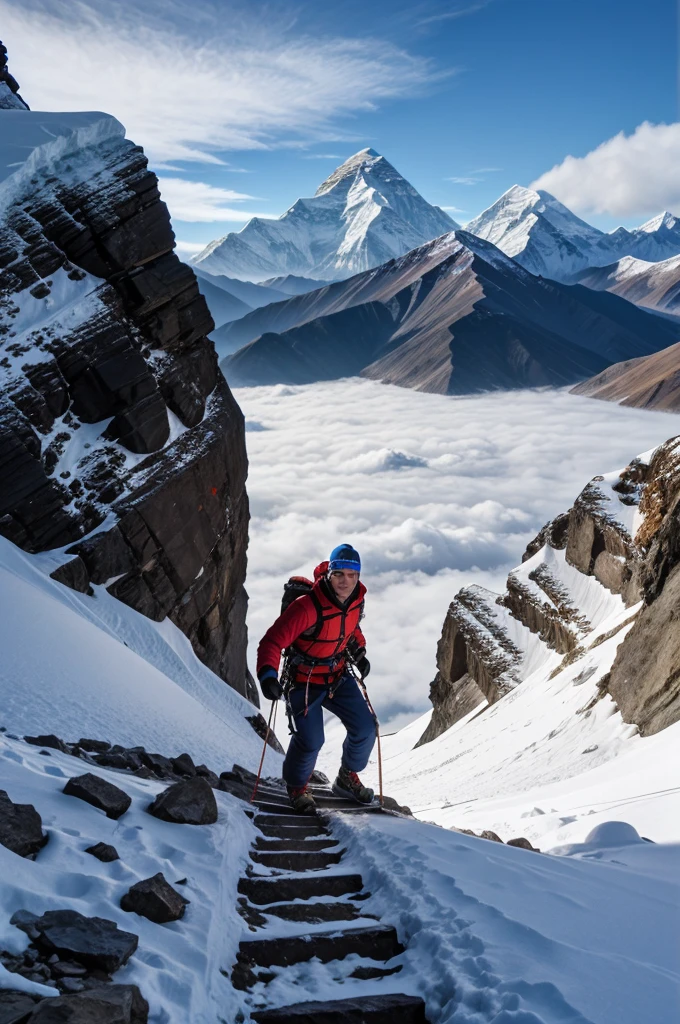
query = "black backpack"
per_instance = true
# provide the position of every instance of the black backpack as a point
(296, 587)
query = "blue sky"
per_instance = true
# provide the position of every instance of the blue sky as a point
(464, 97)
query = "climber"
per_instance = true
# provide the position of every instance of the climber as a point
(317, 632)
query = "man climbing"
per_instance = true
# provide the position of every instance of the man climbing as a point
(317, 631)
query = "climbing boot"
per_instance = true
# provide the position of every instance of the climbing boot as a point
(349, 784)
(301, 799)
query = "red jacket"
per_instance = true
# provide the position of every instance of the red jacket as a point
(329, 625)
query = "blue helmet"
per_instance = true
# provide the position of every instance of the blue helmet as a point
(344, 557)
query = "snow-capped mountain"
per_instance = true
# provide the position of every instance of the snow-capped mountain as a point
(548, 239)
(364, 214)
(654, 285)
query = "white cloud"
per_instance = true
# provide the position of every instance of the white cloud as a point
(198, 201)
(453, 209)
(322, 156)
(188, 89)
(464, 181)
(330, 462)
(628, 175)
(189, 248)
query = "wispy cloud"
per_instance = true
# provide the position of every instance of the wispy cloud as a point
(486, 170)
(452, 209)
(189, 248)
(322, 156)
(192, 87)
(626, 176)
(464, 181)
(198, 201)
(457, 12)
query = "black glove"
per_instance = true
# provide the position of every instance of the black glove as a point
(269, 683)
(364, 666)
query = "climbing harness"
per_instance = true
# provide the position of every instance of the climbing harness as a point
(270, 728)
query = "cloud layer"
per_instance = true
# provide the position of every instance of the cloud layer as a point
(188, 89)
(626, 176)
(435, 493)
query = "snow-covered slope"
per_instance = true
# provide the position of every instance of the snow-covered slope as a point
(548, 239)
(364, 214)
(653, 285)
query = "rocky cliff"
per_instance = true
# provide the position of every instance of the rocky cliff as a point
(120, 441)
(615, 553)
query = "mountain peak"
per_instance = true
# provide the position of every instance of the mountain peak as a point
(662, 220)
(365, 159)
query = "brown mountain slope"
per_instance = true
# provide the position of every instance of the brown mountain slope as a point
(452, 317)
(652, 382)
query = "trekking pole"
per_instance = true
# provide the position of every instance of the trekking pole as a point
(360, 679)
(272, 712)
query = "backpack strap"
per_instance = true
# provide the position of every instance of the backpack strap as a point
(313, 632)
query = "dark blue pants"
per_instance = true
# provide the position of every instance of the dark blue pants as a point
(349, 705)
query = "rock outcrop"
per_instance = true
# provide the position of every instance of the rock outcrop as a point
(618, 545)
(120, 441)
(9, 87)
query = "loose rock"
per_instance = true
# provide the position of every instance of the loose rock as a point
(21, 827)
(48, 741)
(92, 941)
(104, 852)
(100, 793)
(155, 899)
(94, 746)
(15, 1006)
(191, 802)
(113, 1004)
(184, 765)
(522, 843)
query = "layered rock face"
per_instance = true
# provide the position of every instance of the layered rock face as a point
(120, 441)
(617, 548)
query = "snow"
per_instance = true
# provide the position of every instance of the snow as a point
(32, 141)
(78, 665)
(498, 935)
(177, 965)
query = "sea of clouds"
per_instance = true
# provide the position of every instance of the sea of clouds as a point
(435, 492)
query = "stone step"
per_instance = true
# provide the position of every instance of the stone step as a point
(377, 942)
(382, 1009)
(339, 803)
(314, 913)
(271, 808)
(289, 860)
(282, 889)
(298, 830)
(301, 844)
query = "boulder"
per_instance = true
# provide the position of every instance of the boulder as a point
(155, 899)
(158, 764)
(15, 1007)
(488, 834)
(92, 941)
(522, 843)
(74, 575)
(48, 741)
(103, 852)
(20, 827)
(113, 1004)
(190, 802)
(100, 793)
(94, 746)
(184, 765)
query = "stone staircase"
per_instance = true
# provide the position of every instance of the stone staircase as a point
(305, 884)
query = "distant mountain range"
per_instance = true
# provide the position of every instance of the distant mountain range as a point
(453, 316)
(549, 240)
(364, 214)
(654, 285)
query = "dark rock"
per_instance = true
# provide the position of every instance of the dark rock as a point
(24, 920)
(319, 778)
(21, 827)
(66, 969)
(184, 765)
(260, 726)
(232, 782)
(103, 852)
(127, 760)
(48, 741)
(100, 793)
(155, 899)
(488, 834)
(190, 802)
(206, 773)
(522, 843)
(365, 1009)
(68, 985)
(390, 804)
(159, 765)
(73, 574)
(94, 746)
(15, 1007)
(92, 941)
(105, 555)
(113, 1004)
